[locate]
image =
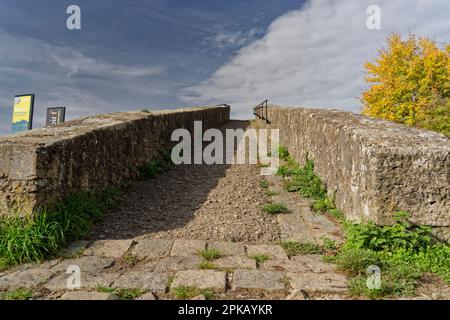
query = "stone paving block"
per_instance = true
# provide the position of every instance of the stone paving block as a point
(87, 281)
(228, 248)
(314, 263)
(152, 248)
(87, 264)
(74, 249)
(88, 295)
(293, 228)
(273, 251)
(318, 282)
(168, 264)
(109, 248)
(202, 279)
(284, 265)
(28, 278)
(153, 281)
(258, 280)
(235, 262)
(146, 296)
(183, 247)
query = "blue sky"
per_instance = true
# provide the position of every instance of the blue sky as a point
(160, 54)
(145, 51)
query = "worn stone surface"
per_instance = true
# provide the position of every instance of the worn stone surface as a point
(152, 248)
(153, 281)
(87, 281)
(109, 248)
(372, 167)
(234, 262)
(202, 279)
(182, 247)
(88, 295)
(87, 264)
(314, 263)
(294, 228)
(147, 296)
(258, 280)
(74, 249)
(177, 263)
(28, 278)
(318, 282)
(272, 251)
(284, 265)
(42, 166)
(228, 248)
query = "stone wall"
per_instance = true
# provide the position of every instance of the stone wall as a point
(372, 167)
(41, 166)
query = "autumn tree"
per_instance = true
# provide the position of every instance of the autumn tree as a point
(409, 83)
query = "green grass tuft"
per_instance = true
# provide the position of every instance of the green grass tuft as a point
(295, 248)
(275, 208)
(207, 265)
(19, 294)
(260, 258)
(264, 183)
(123, 294)
(210, 254)
(184, 293)
(43, 235)
(271, 193)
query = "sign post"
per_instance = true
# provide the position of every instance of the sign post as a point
(23, 113)
(55, 116)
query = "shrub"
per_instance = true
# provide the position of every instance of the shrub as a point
(410, 84)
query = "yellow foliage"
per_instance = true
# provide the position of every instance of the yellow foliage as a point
(409, 83)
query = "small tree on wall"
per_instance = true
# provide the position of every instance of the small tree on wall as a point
(409, 83)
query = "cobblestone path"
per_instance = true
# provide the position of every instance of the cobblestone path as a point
(196, 231)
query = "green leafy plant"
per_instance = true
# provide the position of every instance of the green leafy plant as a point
(275, 208)
(283, 152)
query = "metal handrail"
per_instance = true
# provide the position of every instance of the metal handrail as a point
(260, 110)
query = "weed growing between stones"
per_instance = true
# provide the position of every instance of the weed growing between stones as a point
(184, 293)
(44, 234)
(210, 254)
(207, 265)
(271, 193)
(294, 248)
(264, 184)
(404, 252)
(260, 258)
(275, 208)
(19, 294)
(156, 166)
(123, 294)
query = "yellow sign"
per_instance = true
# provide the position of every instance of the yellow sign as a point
(23, 113)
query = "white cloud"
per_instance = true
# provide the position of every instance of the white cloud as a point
(315, 56)
(64, 76)
(224, 39)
